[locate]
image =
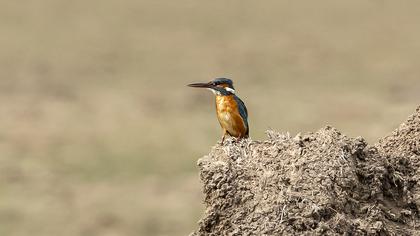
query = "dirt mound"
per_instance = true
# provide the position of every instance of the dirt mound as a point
(321, 183)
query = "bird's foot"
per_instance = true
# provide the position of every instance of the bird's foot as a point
(221, 142)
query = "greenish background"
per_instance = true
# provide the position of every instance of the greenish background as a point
(99, 134)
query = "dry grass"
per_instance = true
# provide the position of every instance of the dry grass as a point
(100, 135)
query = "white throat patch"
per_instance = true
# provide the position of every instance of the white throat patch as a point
(214, 91)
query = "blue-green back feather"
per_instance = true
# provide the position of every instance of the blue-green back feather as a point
(242, 111)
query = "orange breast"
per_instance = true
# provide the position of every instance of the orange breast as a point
(229, 117)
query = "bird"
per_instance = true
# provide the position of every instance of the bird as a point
(230, 109)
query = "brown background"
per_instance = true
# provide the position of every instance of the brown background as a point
(100, 136)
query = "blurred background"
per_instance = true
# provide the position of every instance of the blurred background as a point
(100, 136)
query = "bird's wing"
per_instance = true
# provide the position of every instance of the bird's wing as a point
(242, 110)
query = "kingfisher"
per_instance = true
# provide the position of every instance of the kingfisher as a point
(230, 109)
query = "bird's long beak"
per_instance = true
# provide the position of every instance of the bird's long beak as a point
(200, 85)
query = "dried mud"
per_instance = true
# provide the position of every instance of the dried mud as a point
(321, 183)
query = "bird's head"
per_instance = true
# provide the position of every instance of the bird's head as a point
(219, 86)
